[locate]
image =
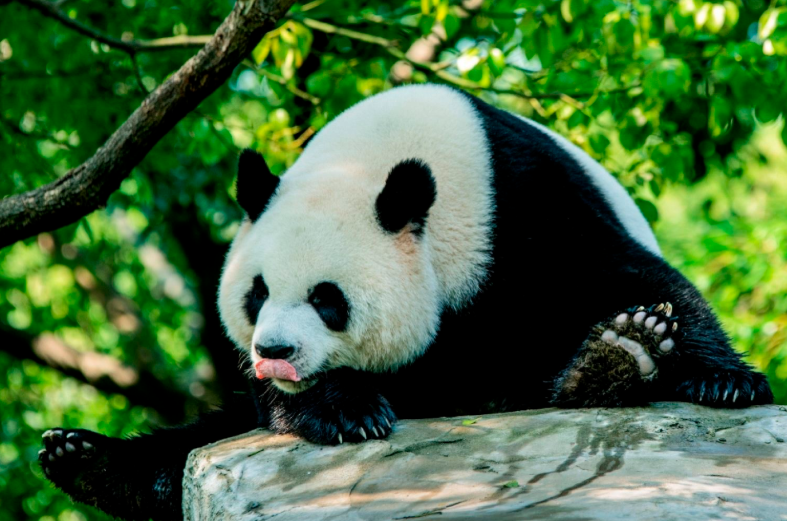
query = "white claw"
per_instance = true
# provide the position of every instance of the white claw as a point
(724, 398)
(52, 433)
(659, 307)
(70, 447)
(650, 322)
(639, 317)
(660, 329)
(363, 432)
(735, 396)
(87, 445)
(621, 319)
(668, 309)
(374, 430)
(70, 435)
(41, 452)
(47, 471)
(700, 398)
(674, 327)
(752, 396)
(389, 423)
(51, 457)
(641, 308)
(340, 439)
(59, 452)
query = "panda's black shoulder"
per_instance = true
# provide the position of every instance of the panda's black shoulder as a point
(533, 171)
(509, 136)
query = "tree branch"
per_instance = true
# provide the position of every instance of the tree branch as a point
(282, 81)
(88, 186)
(52, 10)
(103, 372)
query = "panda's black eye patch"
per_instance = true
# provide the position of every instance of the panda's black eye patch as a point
(255, 298)
(330, 303)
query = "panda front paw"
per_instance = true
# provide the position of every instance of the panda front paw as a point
(70, 457)
(645, 333)
(354, 419)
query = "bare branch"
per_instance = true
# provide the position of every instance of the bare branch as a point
(88, 186)
(327, 28)
(282, 81)
(568, 98)
(52, 10)
(103, 372)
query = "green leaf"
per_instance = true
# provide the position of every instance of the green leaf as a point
(648, 209)
(511, 484)
(497, 61)
(571, 9)
(451, 25)
(425, 24)
(261, 51)
(471, 422)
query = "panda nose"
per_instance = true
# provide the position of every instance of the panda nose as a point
(274, 352)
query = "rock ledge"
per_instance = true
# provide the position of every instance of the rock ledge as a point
(667, 461)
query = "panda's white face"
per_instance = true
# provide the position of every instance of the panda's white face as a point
(317, 281)
(323, 226)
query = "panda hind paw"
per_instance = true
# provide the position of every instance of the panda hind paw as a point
(617, 362)
(645, 333)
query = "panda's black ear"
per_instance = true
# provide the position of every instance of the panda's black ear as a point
(256, 184)
(409, 193)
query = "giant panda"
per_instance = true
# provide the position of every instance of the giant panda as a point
(428, 255)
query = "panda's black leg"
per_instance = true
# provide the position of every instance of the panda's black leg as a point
(617, 363)
(137, 478)
(342, 407)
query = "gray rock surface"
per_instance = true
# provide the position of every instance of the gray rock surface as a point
(667, 461)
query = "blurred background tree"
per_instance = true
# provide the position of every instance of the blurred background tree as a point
(110, 323)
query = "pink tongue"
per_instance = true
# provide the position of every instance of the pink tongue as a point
(276, 369)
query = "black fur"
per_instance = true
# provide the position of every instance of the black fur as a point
(256, 184)
(331, 305)
(255, 298)
(408, 194)
(562, 265)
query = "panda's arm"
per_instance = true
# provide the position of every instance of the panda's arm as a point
(137, 478)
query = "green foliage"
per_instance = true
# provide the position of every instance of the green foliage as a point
(681, 100)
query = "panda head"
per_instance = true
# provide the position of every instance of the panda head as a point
(331, 268)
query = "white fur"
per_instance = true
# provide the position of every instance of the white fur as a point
(622, 204)
(321, 226)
